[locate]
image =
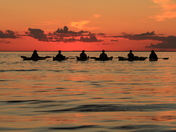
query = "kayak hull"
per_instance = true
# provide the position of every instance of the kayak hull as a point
(100, 59)
(80, 59)
(135, 59)
(59, 59)
(153, 59)
(34, 59)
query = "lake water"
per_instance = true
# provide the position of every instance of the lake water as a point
(90, 96)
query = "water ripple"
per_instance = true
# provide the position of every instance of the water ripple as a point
(74, 127)
(111, 107)
(20, 70)
(27, 101)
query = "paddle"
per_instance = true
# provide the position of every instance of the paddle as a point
(23, 56)
(48, 57)
(71, 57)
(164, 58)
(93, 57)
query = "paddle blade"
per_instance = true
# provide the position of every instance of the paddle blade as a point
(165, 58)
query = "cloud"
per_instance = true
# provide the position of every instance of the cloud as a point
(165, 15)
(62, 35)
(4, 42)
(82, 25)
(37, 34)
(165, 42)
(143, 36)
(168, 10)
(96, 15)
(79, 24)
(8, 34)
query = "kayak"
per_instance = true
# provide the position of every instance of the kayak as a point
(59, 59)
(151, 59)
(105, 59)
(135, 59)
(34, 59)
(80, 59)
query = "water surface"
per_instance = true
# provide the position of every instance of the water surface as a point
(90, 96)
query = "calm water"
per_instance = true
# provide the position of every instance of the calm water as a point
(91, 96)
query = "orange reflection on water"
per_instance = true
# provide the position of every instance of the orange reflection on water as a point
(90, 118)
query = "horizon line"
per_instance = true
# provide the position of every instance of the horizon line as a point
(89, 51)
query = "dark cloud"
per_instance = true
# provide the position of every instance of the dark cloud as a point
(62, 35)
(102, 34)
(37, 34)
(89, 38)
(168, 42)
(144, 34)
(65, 30)
(66, 35)
(8, 34)
(4, 42)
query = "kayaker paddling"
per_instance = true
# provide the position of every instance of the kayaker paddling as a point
(59, 55)
(82, 56)
(153, 56)
(131, 55)
(35, 54)
(103, 55)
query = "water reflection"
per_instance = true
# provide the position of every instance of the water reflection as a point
(87, 96)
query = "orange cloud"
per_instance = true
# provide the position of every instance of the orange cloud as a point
(96, 15)
(168, 9)
(79, 24)
(165, 15)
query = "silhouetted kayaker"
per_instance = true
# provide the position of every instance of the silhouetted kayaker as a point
(35, 54)
(59, 55)
(153, 56)
(83, 55)
(103, 55)
(131, 55)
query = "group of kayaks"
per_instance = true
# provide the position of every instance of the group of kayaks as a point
(136, 58)
(61, 59)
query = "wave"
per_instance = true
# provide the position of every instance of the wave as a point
(74, 127)
(20, 70)
(112, 108)
(27, 101)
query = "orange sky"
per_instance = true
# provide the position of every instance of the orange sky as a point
(112, 17)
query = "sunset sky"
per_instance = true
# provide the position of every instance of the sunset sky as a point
(111, 17)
